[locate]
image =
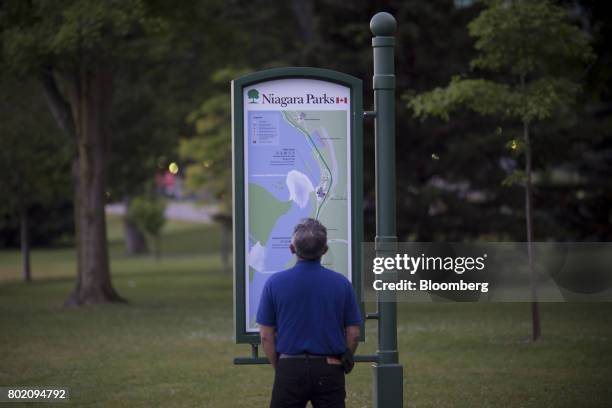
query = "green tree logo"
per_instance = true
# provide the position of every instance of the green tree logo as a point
(253, 95)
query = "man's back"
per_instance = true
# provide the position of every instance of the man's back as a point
(308, 316)
(310, 306)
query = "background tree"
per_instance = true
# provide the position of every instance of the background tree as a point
(147, 212)
(71, 47)
(157, 85)
(208, 154)
(34, 161)
(528, 47)
(443, 193)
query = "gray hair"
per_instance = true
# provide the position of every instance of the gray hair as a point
(309, 239)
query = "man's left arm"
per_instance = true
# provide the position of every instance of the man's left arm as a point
(268, 339)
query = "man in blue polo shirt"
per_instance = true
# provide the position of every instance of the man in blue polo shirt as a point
(308, 318)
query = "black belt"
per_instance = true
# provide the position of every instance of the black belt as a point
(303, 355)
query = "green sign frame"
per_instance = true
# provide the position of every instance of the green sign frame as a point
(238, 182)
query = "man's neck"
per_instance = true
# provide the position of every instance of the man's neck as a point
(299, 259)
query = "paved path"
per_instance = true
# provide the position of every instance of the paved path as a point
(181, 211)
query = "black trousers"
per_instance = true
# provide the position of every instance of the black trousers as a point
(299, 380)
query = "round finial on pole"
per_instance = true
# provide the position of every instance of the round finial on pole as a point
(383, 24)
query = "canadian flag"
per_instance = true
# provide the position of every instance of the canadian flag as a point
(341, 99)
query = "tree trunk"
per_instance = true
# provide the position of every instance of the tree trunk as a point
(25, 244)
(303, 10)
(157, 250)
(225, 246)
(535, 312)
(135, 240)
(89, 95)
(225, 221)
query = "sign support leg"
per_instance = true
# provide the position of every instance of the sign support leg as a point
(387, 372)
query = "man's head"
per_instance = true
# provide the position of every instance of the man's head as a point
(309, 240)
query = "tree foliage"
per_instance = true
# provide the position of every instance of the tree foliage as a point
(34, 157)
(164, 56)
(34, 167)
(529, 45)
(540, 99)
(67, 32)
(208, 150)
(148, 213)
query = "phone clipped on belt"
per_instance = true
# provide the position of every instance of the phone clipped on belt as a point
(347, 361)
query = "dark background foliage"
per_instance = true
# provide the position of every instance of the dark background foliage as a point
(449, 173)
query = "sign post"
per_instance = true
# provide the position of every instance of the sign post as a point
(388, 373)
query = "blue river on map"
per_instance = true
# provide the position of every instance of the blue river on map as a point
(277, 254)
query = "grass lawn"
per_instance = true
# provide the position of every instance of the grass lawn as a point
(172, 345)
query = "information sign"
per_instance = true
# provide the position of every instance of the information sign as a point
(297, 154)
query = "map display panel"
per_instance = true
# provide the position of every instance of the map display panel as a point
(297, 165)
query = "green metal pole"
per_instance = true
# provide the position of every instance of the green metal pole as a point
(388, 373)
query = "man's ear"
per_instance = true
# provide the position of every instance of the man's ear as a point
(292, 248)
(325, 250)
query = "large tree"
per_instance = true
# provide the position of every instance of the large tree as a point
(526, 52)
(72, 47)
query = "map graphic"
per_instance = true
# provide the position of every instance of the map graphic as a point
(297, 167)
